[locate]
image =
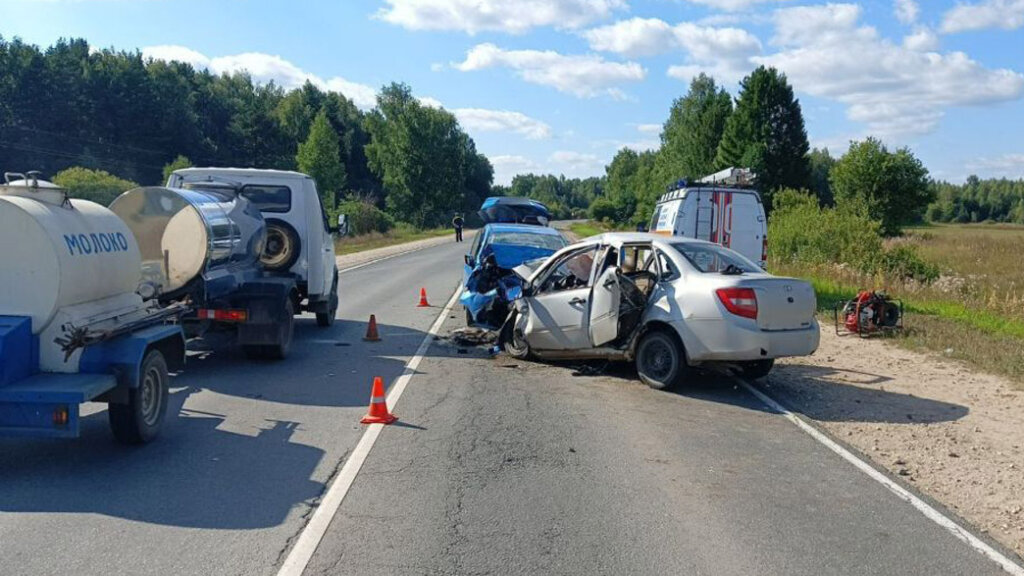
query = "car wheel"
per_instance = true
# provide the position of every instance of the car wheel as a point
(512, 338)
(139, 421)
(326, 319)
(660, 360)
(756, 368)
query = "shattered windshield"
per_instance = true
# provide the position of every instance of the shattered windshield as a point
(712, 258)
(548, 241)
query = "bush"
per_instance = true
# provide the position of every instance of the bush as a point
(95, 185)
(363, 217)
(801, 232)
(603, 209)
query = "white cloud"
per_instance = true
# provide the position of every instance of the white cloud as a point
(575, 164)
(584, 76)
(479, 119)
(890, 88)
(922, 40)
(649, 128)
(264, 68)
(731, 5)
(1004, 166)
(507, 166)
(430, 102)
(511, 16)
(172, 53)
(634, 37)
(906, 11)
(723, 52)
(1005, 14)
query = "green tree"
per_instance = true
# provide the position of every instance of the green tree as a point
(689, 141)
(821, 163)
(176, 164)
(95, 185)
(319, 156)
(419, 153)
(766, 133)
(892, 186)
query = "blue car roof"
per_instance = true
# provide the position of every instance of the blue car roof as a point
(528, 228)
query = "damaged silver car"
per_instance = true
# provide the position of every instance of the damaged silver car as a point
(669, 304)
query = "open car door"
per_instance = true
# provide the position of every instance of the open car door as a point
(604, 307)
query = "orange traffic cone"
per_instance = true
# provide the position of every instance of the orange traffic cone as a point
(423, 299)
(378, 413)
(371, 330)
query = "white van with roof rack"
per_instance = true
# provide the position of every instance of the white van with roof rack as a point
(723, 208)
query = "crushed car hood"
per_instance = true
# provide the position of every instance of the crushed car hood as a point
(510, 256)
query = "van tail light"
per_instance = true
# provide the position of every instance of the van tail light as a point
(764, 251)
(739, 301)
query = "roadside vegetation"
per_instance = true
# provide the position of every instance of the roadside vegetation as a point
(399, 234)
(104, 121)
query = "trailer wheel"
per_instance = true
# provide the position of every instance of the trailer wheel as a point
(139, 421)
(278, 351)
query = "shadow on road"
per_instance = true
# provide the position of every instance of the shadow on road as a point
(198, 473)
(832, 395)
(327, 366)
(817, 392)
(193, 476)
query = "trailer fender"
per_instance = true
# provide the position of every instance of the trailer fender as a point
(123, 356)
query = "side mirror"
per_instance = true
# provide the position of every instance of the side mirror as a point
(342, 229)
(469, 260)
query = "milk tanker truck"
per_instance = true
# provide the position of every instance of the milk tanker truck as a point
(76, 323)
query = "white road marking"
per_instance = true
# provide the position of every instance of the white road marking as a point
(929, 511)
(314, 531)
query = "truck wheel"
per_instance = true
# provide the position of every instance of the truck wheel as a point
(278, 351)
(660, 360)
(282, 248)
(755, 369)
(326, 319)
(139, 421)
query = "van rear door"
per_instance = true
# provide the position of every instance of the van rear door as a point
(744, 226)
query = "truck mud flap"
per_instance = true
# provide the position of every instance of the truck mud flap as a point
(265, 323)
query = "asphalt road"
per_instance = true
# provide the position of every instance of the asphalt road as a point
(496, 467)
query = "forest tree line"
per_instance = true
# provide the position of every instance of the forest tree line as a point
(105, 111)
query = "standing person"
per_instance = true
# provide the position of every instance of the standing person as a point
(457, 222)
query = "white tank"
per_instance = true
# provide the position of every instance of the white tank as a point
(58, 252)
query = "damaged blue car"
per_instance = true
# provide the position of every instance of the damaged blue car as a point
(489, 280)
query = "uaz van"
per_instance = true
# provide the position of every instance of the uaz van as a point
(721, 208)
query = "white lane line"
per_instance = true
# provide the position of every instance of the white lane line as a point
(390, 256)
(314, 531)
(930, 512)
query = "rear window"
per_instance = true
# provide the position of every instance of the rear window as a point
(268, 198)
(549, 241)
(712, 258)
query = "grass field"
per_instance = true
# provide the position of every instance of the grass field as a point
(397, 235)
(974, 312)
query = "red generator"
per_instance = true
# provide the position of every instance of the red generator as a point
(869, 313)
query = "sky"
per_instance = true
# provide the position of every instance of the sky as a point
(558, 86)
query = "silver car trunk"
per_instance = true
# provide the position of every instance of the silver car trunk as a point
(783, 303)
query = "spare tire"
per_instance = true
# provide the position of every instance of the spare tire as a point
(282, 247)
